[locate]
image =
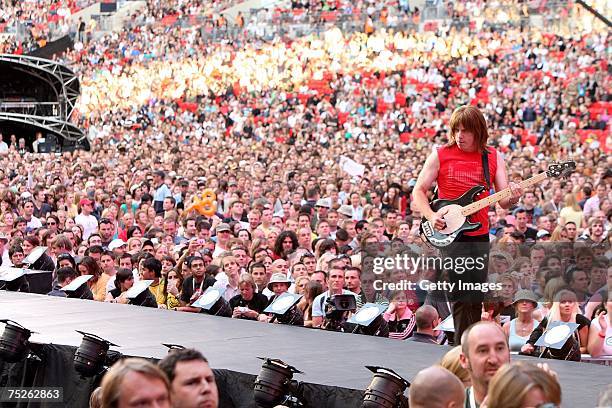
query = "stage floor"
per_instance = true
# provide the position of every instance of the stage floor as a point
(326, 358)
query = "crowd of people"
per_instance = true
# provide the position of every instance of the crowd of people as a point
(312, 147)
(480, 373)
(31, 24)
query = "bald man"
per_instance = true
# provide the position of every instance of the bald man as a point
(427, 320)
(484, 349)
(436, 387)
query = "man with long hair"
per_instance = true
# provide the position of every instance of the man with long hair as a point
(456, 168)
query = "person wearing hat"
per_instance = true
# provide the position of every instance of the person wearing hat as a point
(346, 211)
(279, 284)
(86, 219)
(322, 207)
(519, 329)
(117, 246)
(90, 188)
(543, 235)
(224, 234)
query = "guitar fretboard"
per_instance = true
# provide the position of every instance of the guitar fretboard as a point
(500, 195)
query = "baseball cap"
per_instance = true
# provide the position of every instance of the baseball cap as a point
(85, 201)
(543, 233)
(116, 243)
(223, 227)
(90, 184)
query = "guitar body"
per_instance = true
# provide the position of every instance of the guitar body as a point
(456, 223)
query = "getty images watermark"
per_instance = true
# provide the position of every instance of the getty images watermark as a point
(419, 268)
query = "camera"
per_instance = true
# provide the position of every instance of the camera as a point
(337, 310)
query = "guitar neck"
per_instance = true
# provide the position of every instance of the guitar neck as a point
(500, 195)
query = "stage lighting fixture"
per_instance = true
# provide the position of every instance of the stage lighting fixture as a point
(369, 321)
(91, 358)
(213, 303)
(284, 310)
(172, 347)
(275, 385)
(386, 389)
(14, 344)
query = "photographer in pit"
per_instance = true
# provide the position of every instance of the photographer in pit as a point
(325, 313)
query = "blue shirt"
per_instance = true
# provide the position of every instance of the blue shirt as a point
(162, 192)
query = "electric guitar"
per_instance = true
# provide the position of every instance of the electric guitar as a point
(461, 208)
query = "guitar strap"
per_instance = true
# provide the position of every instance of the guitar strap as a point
(485, 167)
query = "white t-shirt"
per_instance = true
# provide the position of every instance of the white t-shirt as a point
(34, 223)
(89, 224)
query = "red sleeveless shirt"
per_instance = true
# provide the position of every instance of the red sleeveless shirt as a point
(460, 171)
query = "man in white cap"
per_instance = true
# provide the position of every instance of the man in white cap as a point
(322, 207)
(117, 246)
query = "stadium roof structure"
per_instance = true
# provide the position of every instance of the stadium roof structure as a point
(65, 130)
(61, 78)
(39, 95)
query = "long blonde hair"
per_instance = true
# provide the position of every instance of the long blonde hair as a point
(570, 201)
(512, 382)
(555, 313)
(556, 234)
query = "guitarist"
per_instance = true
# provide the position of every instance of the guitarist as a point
(456, 168)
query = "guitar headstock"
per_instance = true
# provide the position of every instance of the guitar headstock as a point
(561, 169)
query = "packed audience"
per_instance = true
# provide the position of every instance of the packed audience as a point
(33, 23)
(311, 148)
(278, 131)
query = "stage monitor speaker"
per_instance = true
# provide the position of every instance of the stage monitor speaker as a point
(49, 144)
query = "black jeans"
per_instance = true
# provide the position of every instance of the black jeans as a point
(467, 303)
